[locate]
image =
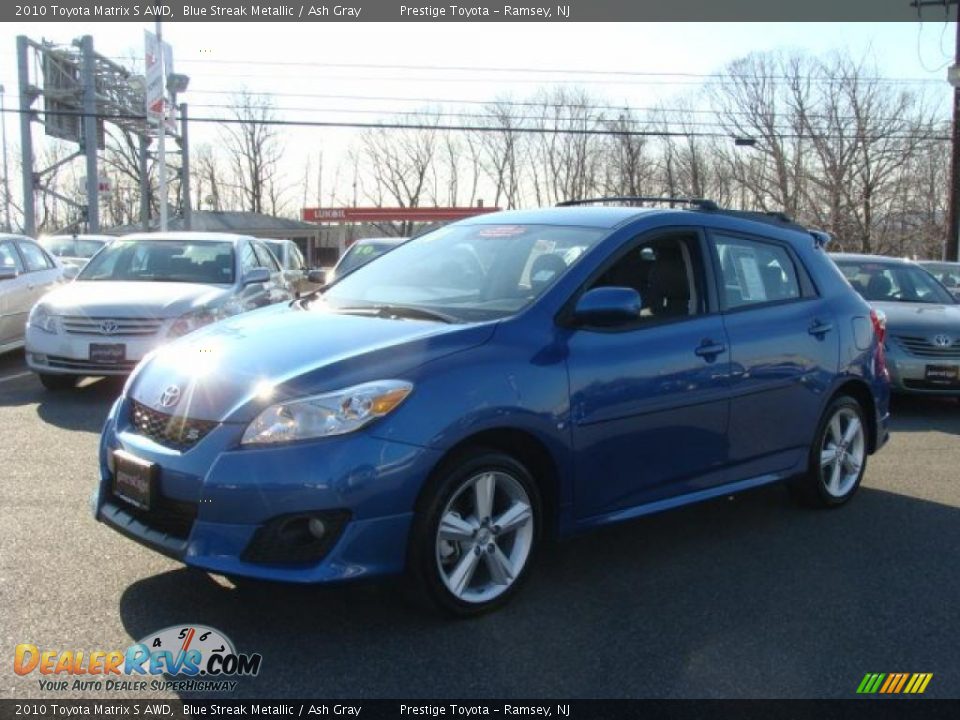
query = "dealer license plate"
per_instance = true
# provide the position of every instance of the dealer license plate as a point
(108, 354)
(133, 479)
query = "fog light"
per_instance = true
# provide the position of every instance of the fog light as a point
(317, 528)
(39, 358)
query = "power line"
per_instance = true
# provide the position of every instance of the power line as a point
(476, 128)
(490, 103)
(546, 71)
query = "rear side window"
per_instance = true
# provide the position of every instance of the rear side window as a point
(35, 258)
(754, 273)
(9, 257)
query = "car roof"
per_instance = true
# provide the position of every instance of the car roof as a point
(186, 235)
(947, 263)
(14, 236)
(584, 215)
(858, 257)
(78, 236)
(383, 240)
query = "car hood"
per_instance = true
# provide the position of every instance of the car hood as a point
(133, 299)
(231, 370)
(920, 317)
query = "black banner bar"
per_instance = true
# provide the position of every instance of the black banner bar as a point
(471, 11)
(874, 709)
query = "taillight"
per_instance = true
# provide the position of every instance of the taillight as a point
(879, 320)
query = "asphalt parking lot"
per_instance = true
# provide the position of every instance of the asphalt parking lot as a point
(742, 597)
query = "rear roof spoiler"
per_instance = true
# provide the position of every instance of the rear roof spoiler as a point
(821, 238)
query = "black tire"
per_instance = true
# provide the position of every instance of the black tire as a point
(58, 382)
(424, 582)
(812, 489)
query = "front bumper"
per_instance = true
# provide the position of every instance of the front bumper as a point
(908, 374)
(212, 499)
(65, 354)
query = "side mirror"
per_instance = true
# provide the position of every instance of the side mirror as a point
(608, 307)
(7, 273)
(317, 276)
(257, 276)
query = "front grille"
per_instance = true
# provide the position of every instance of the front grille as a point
(170, 430)
(923, 347)
(86, 366)
(111, 326)
(173, 517)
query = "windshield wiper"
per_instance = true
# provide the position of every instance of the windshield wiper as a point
(400, 311)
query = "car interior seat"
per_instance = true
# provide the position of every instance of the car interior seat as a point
(879, 287)
(669, 287)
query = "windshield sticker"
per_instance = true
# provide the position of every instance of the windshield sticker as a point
(502, 231)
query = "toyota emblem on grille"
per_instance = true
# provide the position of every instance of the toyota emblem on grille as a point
(108, 327)
(170, 396)
(942, 341)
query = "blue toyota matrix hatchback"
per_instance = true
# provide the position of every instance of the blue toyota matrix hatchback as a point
(443, 410)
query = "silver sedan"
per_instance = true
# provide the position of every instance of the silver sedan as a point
(26, 273)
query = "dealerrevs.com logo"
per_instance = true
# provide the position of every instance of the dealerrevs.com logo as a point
(178, 658)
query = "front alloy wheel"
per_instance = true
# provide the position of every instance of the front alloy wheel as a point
(475, 533)
(484, 537)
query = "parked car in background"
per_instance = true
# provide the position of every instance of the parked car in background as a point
(292, 264)
(73, 251)
(142, 291)
(948, 273)
(923, 321)
(362, 252)
(438, 411)
(26, 273)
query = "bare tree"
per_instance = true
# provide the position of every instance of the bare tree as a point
(254, 151)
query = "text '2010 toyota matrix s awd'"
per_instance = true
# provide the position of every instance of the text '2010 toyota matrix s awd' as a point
(514, 376)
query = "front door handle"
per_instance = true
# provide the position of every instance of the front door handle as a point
(709, 349)
(820, 328)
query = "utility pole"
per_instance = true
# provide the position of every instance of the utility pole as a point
(6, 171)
(951, 247)
(161, 135)
(185, 169)
(90, 132)
(27, 96)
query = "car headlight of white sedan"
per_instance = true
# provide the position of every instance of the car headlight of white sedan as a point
(334, 413)
(194, 320)
(43, 319)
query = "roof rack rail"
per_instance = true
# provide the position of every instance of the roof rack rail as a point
(700, 203)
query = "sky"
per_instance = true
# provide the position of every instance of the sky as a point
(301, 62)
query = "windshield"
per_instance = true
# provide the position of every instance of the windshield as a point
(467, 272)
(360, 254)
(71, 247)
(886, 282)
(946, 273)
(163, 261)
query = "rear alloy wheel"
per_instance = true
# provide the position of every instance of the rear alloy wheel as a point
(58, 382)
(473, 546)
(838, 458)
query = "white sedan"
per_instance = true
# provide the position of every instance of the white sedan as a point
(142, 291)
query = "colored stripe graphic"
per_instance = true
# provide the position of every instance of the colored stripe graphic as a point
(894, 683)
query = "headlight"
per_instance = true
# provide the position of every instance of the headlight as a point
(334, 413)
(194, 320)
(41, 318)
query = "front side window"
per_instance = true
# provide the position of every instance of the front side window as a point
(163, 261)
(468, 272)
(753, 273)
(664, 271)
(266, 258)
(34, 257)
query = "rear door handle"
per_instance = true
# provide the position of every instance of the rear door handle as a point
(709, 349)
(820, 328)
